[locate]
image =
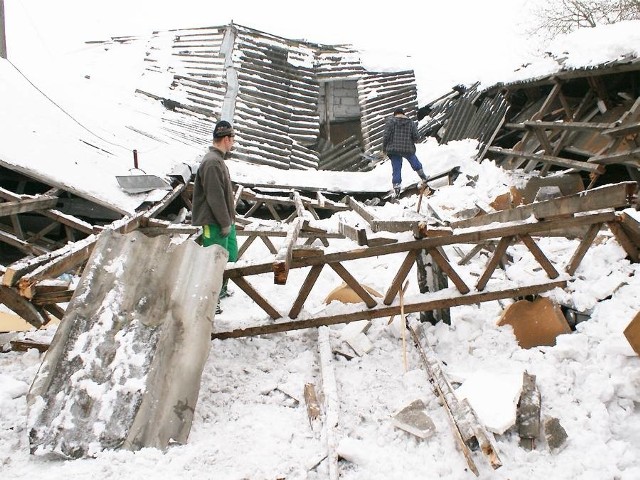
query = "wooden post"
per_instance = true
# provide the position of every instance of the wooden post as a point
(431, 278)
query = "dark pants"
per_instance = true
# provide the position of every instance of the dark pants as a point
(396, 166)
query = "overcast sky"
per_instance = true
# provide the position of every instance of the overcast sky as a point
(447, 40)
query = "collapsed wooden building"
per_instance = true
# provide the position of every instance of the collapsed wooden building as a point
(576, 129)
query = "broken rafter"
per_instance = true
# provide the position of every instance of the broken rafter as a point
(429, 301)
(284, 256)
(610, 196)
(562, 162)
(27, 205)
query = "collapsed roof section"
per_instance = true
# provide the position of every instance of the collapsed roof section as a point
(573, 118)
(293, 103)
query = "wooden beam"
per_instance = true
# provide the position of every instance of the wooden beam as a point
(354, 284)
(247, 288)
(422, 302)
(625, 242)
(20, 244)
(283, 257)
(20, 305)
(498, 253)
(305, 289)
(631, 226)
(584, 245)
(74, 255)
(567, 125)
(402, 273)
(630, 157)
(27, 205)
(539, 256)
(469, 236)
(610, 196)
(562, 162)
(443, 263)
(358, 235)
(623, 130)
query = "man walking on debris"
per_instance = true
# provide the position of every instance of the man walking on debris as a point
(213, 199)
(400, 137)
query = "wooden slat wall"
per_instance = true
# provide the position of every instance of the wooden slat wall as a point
(392, 90)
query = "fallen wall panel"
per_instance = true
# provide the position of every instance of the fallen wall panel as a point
(124, 366)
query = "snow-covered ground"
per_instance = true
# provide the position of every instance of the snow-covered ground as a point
(251, 419)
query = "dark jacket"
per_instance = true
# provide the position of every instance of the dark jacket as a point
(213, 201)
(400, 136)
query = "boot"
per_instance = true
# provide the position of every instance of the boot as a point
(423, 177)
(396, 190)
(224, 292)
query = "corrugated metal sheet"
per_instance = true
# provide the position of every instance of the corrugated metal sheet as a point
(267, 86)
(379, 95)
(125, 363)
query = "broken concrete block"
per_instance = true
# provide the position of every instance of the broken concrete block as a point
(555, 434)
(535, 323)
(413, 419)
(355, 328)
(632, 332)
(354, 335)
(345, 294)
(528, 413)
(360, 344)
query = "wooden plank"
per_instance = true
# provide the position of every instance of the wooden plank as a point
(75, 255)
(623, 130)
(562, 162)
(305, 289)
(362, 211)
(469, 236)
(539, 256)
(631, 157)
(25, 345)
(358, 235)
(157, 208)
(567, 125)
(20, 244)
(331, 402)
(444, 265)
(256, 297)
(284, 256)
(354, 284)
(442, 388)
(48, 298)
(431, 301)
(625, 242)
(631, 226)
(267, 241)
(584, 245)
(27, 205)
(402, 273)
(246, 244)
(498, 253)
(14, 301)
(610, 196)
